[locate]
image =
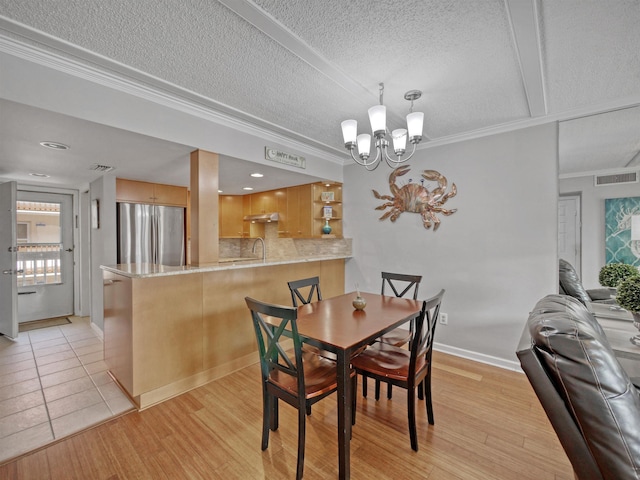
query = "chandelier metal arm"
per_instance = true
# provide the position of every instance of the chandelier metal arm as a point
(401, 158)
(363, 161)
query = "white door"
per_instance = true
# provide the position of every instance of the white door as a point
(45, 255)
(8, 258)
(569, 246)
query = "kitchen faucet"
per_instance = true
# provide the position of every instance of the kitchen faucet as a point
(264, 248)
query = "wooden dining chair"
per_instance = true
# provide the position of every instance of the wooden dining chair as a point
(400, 284)
(406, 368)
(299, 378)
(299, 293)
(297, 289)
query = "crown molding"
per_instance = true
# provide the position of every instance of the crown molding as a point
(23, 42)
(86, 65)
(594, 173)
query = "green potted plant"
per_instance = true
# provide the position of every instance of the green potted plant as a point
(629, 296)
(613, 273)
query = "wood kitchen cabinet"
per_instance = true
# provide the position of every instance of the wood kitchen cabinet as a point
(230, 216)
(167, 333)
(134, 191)
(283, 210)
(298, 224)
(300, 209)
(264, 202)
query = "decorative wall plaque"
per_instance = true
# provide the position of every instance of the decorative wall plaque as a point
(286, 158)
(417, 198)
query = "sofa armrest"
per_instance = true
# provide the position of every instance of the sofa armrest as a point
(601, 294)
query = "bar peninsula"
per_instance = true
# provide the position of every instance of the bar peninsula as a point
(168, 330)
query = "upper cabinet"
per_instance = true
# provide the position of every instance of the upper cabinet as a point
(301, 209)
(264, 202)
(155, 193)
(230, 215)
(298, 217)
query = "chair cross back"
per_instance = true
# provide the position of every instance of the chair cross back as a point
(422, 342)
(393, 280)
(282, 323)
(296, 294)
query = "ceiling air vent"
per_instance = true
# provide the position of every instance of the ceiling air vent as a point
(631, 177)
(101, 168)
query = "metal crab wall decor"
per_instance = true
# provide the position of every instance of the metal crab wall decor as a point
(416, 198)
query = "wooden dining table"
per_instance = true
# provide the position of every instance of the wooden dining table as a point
(333, 324)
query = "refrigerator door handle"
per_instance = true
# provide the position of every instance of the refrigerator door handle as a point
(154, 235)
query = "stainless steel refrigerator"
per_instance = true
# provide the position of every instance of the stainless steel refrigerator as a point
(151, 234)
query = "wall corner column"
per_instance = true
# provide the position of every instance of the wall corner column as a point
(204, 207)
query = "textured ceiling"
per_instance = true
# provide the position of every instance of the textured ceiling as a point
(300, 67)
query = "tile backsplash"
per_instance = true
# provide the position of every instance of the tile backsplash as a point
(279, 248)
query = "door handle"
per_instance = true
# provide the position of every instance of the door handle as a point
(69, 250)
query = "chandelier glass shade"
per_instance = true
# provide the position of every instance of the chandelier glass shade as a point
(378, 121)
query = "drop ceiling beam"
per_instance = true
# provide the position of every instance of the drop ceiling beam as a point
(271, 27)
(523, 16)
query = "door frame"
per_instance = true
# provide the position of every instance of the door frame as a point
(578, 227)
(78, 248)
(9, 307)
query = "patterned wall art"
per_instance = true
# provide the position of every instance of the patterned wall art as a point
(617, 218)
(417, 198)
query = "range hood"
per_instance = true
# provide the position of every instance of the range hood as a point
(262, 218)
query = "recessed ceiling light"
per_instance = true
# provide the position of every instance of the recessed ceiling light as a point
(55, 145)
(257, 175)
(219, 191)
(41, 175)
(247, 188)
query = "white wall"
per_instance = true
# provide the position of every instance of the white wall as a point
(496, 256)
(592, 209)
(103, 241)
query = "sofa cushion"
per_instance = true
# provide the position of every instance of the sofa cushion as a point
(597, 391)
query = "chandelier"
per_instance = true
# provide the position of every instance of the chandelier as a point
(378, 120)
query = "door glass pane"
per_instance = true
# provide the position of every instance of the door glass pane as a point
(39, 241)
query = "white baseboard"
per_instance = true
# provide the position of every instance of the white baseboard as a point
(478, 357)
(97, 330)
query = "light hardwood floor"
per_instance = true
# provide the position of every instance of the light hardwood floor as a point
(488, 425)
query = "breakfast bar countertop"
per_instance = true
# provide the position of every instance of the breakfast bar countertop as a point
(147, 270)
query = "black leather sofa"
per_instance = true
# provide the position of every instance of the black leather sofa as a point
(589, 399)
(570, 284)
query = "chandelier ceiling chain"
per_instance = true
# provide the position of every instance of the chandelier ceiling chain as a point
(378, 120)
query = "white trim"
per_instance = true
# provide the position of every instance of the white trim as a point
(478, 357)
(271, 27)
(523, 18)
(111, 74)
(596, 173)
(114, 75)
(96, 329)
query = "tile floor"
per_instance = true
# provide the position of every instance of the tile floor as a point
(54, 382)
